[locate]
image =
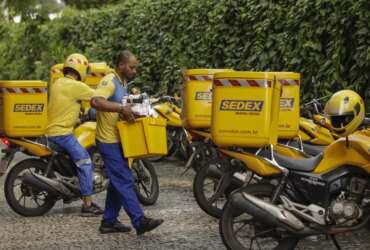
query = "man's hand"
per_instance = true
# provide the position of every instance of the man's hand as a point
(127, 114)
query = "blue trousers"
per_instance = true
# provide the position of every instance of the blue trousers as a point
(120, 191)
(81, 159)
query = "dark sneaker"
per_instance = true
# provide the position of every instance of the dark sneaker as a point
(92, 211)
(118, 227)
(148, 224)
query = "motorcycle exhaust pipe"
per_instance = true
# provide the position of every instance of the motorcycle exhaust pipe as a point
(268, 213)
(52, 186)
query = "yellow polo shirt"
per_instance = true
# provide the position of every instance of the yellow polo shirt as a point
(112, 88)
(65, 96)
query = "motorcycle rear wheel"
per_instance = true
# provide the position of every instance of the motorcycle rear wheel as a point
(268, 238)
(41, 200)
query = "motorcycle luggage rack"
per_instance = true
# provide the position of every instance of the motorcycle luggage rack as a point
(271, 158)
(295, 139)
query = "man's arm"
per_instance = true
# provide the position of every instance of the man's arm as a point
(102, 104)
(82, 92)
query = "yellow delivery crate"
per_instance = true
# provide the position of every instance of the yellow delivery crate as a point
(197, 97)
(97, 72)
(289, 104)
(56, 72)
(245, 109)
(24, 108)
(144, 138)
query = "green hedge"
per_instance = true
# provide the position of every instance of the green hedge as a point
(326, 40)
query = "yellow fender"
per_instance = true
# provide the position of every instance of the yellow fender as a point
(167, 111)
(130, 162)
(255, 163)
(289, 151)
(260, 166)
(32, 147)
(309, 131)
(355, 152)
(85, 134)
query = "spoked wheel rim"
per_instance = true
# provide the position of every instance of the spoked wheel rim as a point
(209, 188)
(143, 180)
(29, 197)
(241, 231)
(251, 235)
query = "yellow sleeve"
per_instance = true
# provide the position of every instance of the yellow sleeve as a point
(81, 91)
(105, 89)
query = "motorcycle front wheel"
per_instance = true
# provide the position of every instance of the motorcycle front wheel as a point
(24, 199)
(206, 188)
(146, 181)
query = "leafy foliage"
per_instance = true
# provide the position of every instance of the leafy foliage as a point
(325, 40)
(29, 9)
(85, 4)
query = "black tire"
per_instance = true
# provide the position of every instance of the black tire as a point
(157, 159)
(199, 162)
(146, 182)
(15, 203)
(202, 182)
(230, 238)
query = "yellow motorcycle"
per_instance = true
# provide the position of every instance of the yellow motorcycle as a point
(33, 185)
(327, 194)
(315, 129)
(168, 108)
(223, 173)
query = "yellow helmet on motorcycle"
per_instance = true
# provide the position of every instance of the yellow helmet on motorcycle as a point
(77, 63)
(346, 111)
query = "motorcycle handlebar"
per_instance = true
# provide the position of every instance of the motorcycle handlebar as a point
(165, 98)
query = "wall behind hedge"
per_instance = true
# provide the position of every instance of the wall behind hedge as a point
(326, 40)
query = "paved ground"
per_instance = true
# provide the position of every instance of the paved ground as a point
(185, 227)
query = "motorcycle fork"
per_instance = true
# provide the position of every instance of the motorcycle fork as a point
(222, 185)
(191, 159)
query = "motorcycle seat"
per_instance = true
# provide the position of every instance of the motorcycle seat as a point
(313, 149)
(303, 165)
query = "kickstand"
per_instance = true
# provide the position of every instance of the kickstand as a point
(335, 242)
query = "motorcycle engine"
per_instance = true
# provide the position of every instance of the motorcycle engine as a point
(100, 179)
(346, 208)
